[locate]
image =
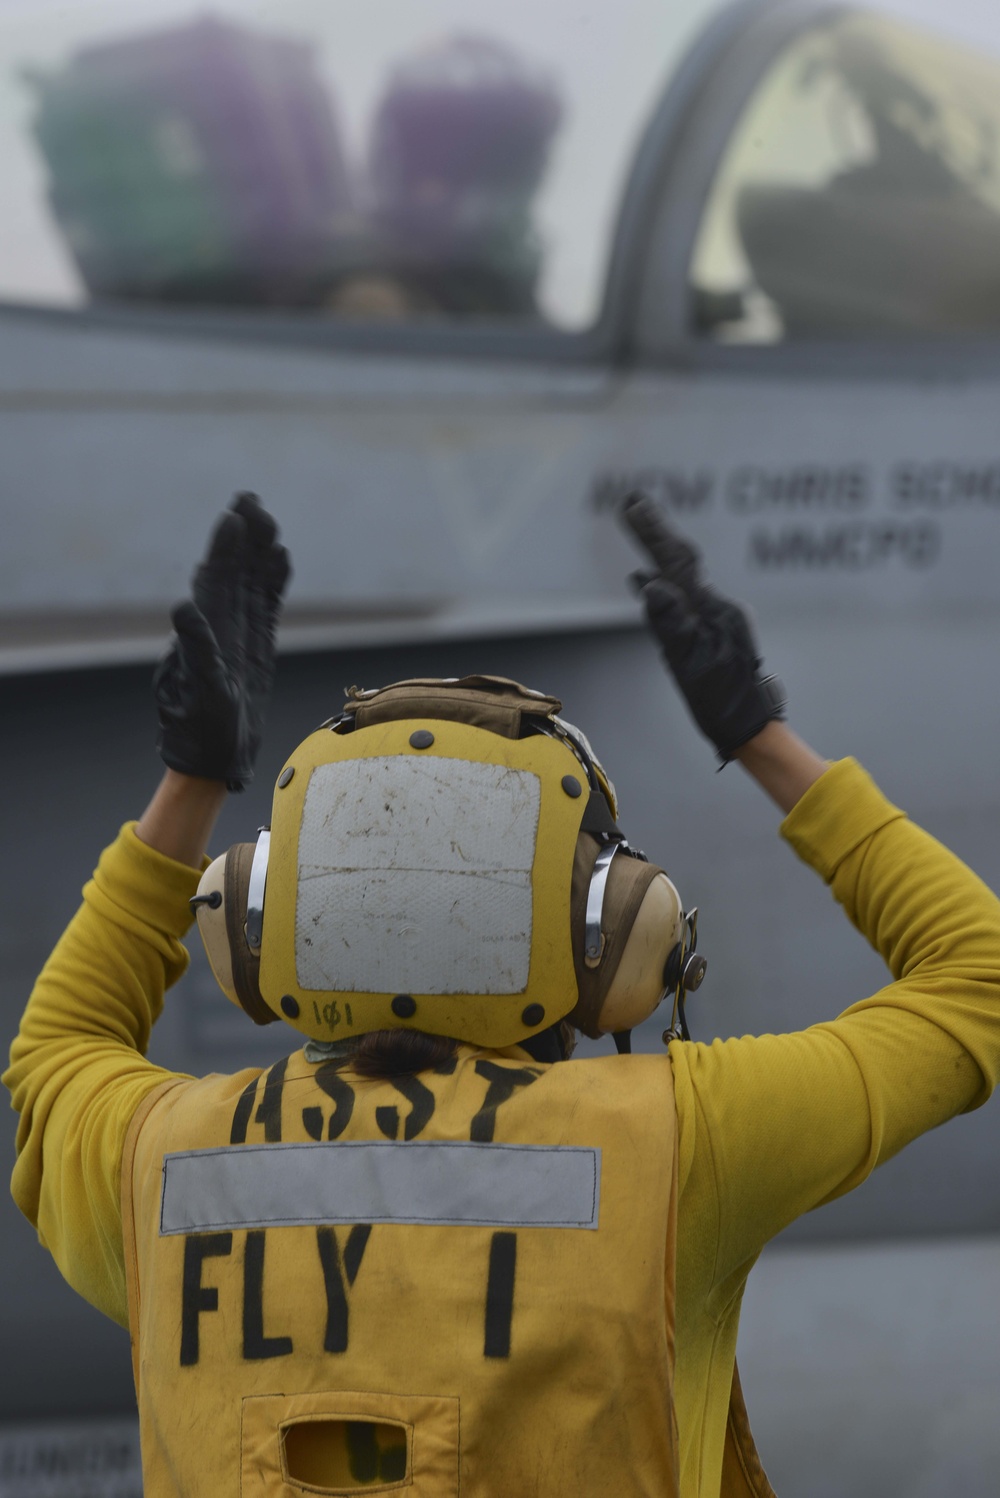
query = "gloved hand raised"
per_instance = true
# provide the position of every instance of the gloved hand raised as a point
(212, 686)
(706, 639)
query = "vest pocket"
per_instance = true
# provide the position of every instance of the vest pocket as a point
(348, 1443)
(346, 1454)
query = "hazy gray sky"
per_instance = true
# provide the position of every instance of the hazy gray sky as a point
(610, 58)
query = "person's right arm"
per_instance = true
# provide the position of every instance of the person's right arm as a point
(775, 1125)
(772, 1126)
(781, 763)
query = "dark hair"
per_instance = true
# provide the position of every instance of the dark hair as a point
(384, 1054)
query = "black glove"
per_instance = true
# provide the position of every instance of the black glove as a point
(706, 639)
(212, 686)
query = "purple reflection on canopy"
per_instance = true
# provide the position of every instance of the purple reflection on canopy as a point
(207, 156)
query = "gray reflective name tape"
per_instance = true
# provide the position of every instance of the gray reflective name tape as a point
(441, 1183)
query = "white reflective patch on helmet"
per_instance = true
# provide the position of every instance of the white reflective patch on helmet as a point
(414, 876)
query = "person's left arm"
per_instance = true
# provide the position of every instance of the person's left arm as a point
(78, 1070)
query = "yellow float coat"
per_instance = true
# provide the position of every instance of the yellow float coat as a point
(766, 1127)
(495, 1351)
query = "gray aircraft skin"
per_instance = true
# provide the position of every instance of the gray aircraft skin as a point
(447, 493)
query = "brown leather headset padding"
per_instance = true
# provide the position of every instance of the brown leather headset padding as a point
(628, 880)
(493, 702)
(246, 965)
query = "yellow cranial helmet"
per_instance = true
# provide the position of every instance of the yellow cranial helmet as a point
(444, 856)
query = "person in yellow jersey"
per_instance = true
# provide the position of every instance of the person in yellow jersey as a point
(425, 1253)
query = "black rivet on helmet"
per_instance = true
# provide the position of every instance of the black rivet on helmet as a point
(421, 739)
(534, 1014)
(572, 786)
(290, 1006)
(285, 777)
(404, 1006)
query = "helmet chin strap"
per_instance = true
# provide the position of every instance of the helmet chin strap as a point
(623, 1041)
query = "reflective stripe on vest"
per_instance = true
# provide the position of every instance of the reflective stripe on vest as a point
(440, 1184)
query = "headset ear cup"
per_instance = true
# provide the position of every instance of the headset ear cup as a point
(638, 984)
(628, 880)
(246, 964)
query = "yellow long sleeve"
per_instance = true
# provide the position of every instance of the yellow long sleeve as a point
(771, 1126)
(78, 1069)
